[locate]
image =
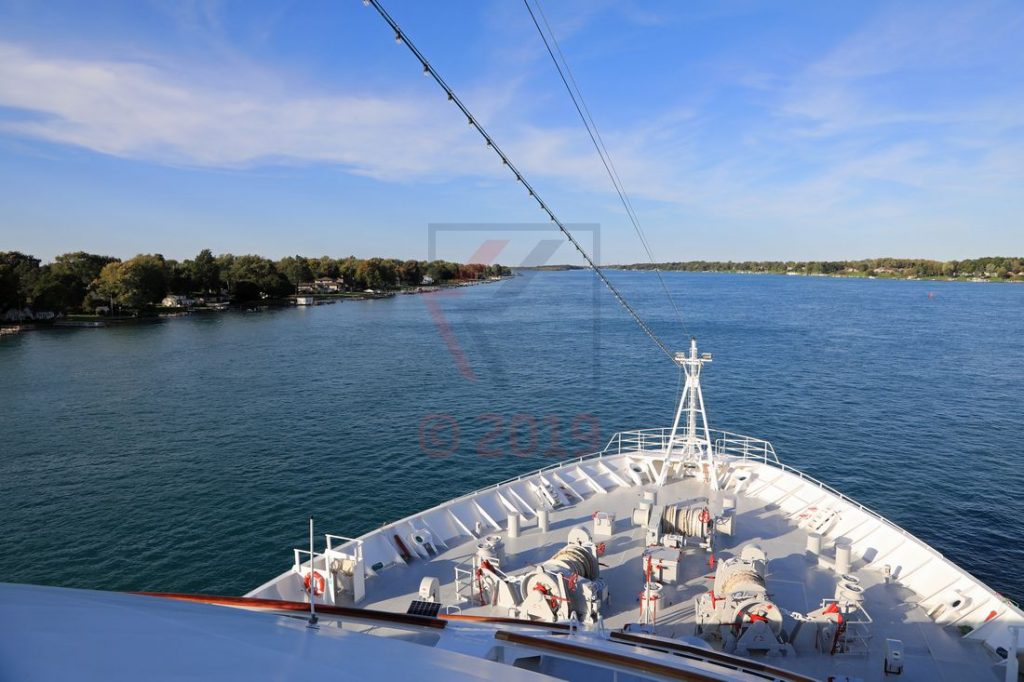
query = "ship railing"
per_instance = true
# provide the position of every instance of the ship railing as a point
(853, 503)
(746, 448)
(652, 441)
(301, 563)
(306, 563)
(926, 547)
(724, 443)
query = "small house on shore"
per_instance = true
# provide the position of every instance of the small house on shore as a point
(177, 301)
(322, 285)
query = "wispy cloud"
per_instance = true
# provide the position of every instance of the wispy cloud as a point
(920, 64)
(912, 115)
(141, 111)
(149, 110)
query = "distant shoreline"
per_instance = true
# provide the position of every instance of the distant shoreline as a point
(159, 313)
(988, 269)
(618, 268)
(92, 285)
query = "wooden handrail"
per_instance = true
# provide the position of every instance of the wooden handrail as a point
(709, 655)
(557, 645)
(299, 606)
(562, 646)
(562, 627)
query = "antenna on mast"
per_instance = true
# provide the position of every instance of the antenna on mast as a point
(694, 445)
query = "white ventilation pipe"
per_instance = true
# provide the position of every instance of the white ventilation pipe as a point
(543, 520)
(813, 545)
(842, 556)
(513, 525)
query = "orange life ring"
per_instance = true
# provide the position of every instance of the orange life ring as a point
(319, 584)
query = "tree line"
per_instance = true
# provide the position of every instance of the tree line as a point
(994, 267)
(83, 281)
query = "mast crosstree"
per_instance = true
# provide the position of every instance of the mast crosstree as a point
(693, 445)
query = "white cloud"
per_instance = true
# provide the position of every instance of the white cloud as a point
(140, 111)
(148, 110)
(898, 69)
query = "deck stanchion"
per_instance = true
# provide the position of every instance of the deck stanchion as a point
(312, 579)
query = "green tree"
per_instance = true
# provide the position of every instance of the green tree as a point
(348, 270)
(225, 266)
(204, 270)
(135, 283)
(10, 284)
(324, 266)
(410, 273)
(179, 278)
(442, 271)
(22, 271)
(296, 269)
(57, 290)
(245, 291)
(260, 272)
(370, 273)
(85, 266)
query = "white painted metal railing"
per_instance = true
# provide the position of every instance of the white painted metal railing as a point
(725, 444)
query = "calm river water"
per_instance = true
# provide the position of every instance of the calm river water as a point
(186, 455)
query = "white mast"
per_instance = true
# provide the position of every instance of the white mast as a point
(695, 445)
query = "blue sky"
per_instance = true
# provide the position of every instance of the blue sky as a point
(741, 130)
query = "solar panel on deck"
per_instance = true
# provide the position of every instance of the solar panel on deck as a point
(424, 608)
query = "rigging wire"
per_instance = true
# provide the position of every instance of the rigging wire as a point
(569, 81)
(400, 38)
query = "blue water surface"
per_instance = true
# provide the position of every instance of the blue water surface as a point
(186, 455)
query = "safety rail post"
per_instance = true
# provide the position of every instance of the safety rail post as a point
(312, 576)
(297, 567)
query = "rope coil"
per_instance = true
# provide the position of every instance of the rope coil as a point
(578, 560)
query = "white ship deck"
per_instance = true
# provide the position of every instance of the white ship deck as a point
(952, 627)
